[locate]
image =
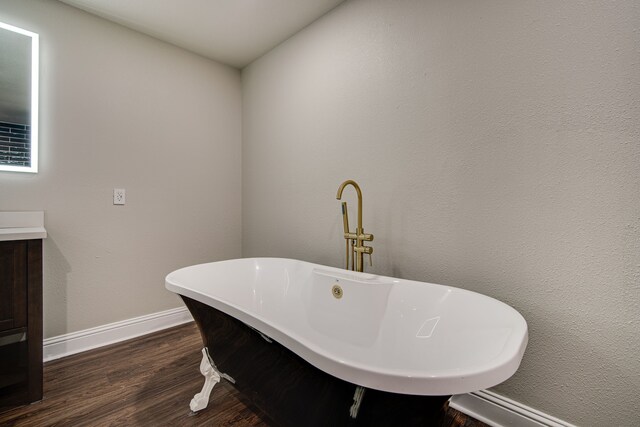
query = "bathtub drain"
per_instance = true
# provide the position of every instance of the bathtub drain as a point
(336, 291)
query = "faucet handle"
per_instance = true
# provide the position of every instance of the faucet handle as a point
(367, 237)
(364, 249)
(370, 260)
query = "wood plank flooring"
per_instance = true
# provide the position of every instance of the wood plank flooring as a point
(147, 381)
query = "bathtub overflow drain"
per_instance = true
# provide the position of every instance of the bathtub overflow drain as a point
(336, 291)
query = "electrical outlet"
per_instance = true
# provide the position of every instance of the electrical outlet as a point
(118, 196)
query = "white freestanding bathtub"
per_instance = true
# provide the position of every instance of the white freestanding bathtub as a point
(372, 332)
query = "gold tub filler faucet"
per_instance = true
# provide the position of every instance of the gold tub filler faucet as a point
(355, 248)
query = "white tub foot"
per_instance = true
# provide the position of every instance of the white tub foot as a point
(211, 378)
(357, 400)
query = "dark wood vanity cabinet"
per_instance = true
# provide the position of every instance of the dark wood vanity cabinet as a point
(20, 322)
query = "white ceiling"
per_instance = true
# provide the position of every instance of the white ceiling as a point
(234, 32)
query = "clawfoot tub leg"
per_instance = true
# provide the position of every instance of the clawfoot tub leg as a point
(211, 378)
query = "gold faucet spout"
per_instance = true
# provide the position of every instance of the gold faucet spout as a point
(359, 192)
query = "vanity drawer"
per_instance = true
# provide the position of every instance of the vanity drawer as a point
(13, 284)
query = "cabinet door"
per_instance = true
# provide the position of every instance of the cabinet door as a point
(13, 285)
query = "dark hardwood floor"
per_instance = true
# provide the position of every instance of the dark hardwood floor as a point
(147, 381)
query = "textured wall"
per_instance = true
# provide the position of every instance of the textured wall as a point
(497, 146)
(122, 110)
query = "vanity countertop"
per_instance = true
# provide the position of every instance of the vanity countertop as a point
(22, 225)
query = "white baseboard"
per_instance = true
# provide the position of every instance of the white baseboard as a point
(76, 342)
(499, 411)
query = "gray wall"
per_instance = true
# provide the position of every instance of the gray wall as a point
(122, 110)
(497, 146)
